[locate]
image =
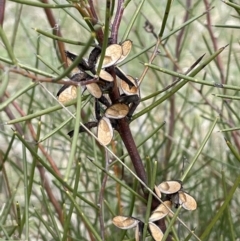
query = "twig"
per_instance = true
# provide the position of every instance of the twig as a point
(214, 41)
(93, 12)
(11, 116)
(94, 19)
(129, 143)
(150, 61)
(127, 138)
(56, 31)
(2, 11)
(117, 21)
(48, 80)
(172, 99)
(181, 33)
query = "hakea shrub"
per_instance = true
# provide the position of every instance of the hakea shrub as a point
(173, 195)
(100, 87)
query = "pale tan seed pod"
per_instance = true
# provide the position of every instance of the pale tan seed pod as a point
(104, 131)
(137, 233)
(105, 76)
(169, 187)
(122, 76)
(94, 90)
(125, 222)
(117, 111)
(75, 70)
(70, 93)
(125, 87)
(155, 231)
(69, 63)
(157, 191)
(126, 48)
(161, 211)
(112, 54)
(187, 201)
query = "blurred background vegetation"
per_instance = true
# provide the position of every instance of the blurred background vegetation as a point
(195, 128)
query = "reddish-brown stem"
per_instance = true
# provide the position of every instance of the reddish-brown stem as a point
(117, 21)
(93, 12)
(11, 116)
(99, 31)
(2, 11)
(89, 14)
(172, 99)
(47, 79)
(181, 33)
(214, 41)
(127, 138)
(56, 31)
(129, 143)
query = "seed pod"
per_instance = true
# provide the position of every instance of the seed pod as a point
(139, 231)
(170, 187)
(123, 77)
(70, 56)
(97, 109)
(117, 111)
(89, 125)
(79, 76)
(155, 231)
(82, 65)
(161, 211)
(92, 59)
(67, 93)
(94, 90)
(128, 99)
(105, 131)
(157, 191)
(125, 87)
(112, 55)
(187, 201)
(105, 76)
(126, 48)
(75, 70)
(125, 222)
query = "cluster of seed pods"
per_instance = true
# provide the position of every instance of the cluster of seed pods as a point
(123, 222)
(100, 86)
(174, 195)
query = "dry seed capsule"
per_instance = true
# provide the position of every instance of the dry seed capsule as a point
(187, 201)
(126, 48)
(112, 54)
(170, 187)
(126, 89)
(161, 211)
(105, 76)
(105, 131)
(94, 90)
(67, 93)
(125, 222)
(155, 231)
(117, 111)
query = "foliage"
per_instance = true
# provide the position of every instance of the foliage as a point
(186, 126)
